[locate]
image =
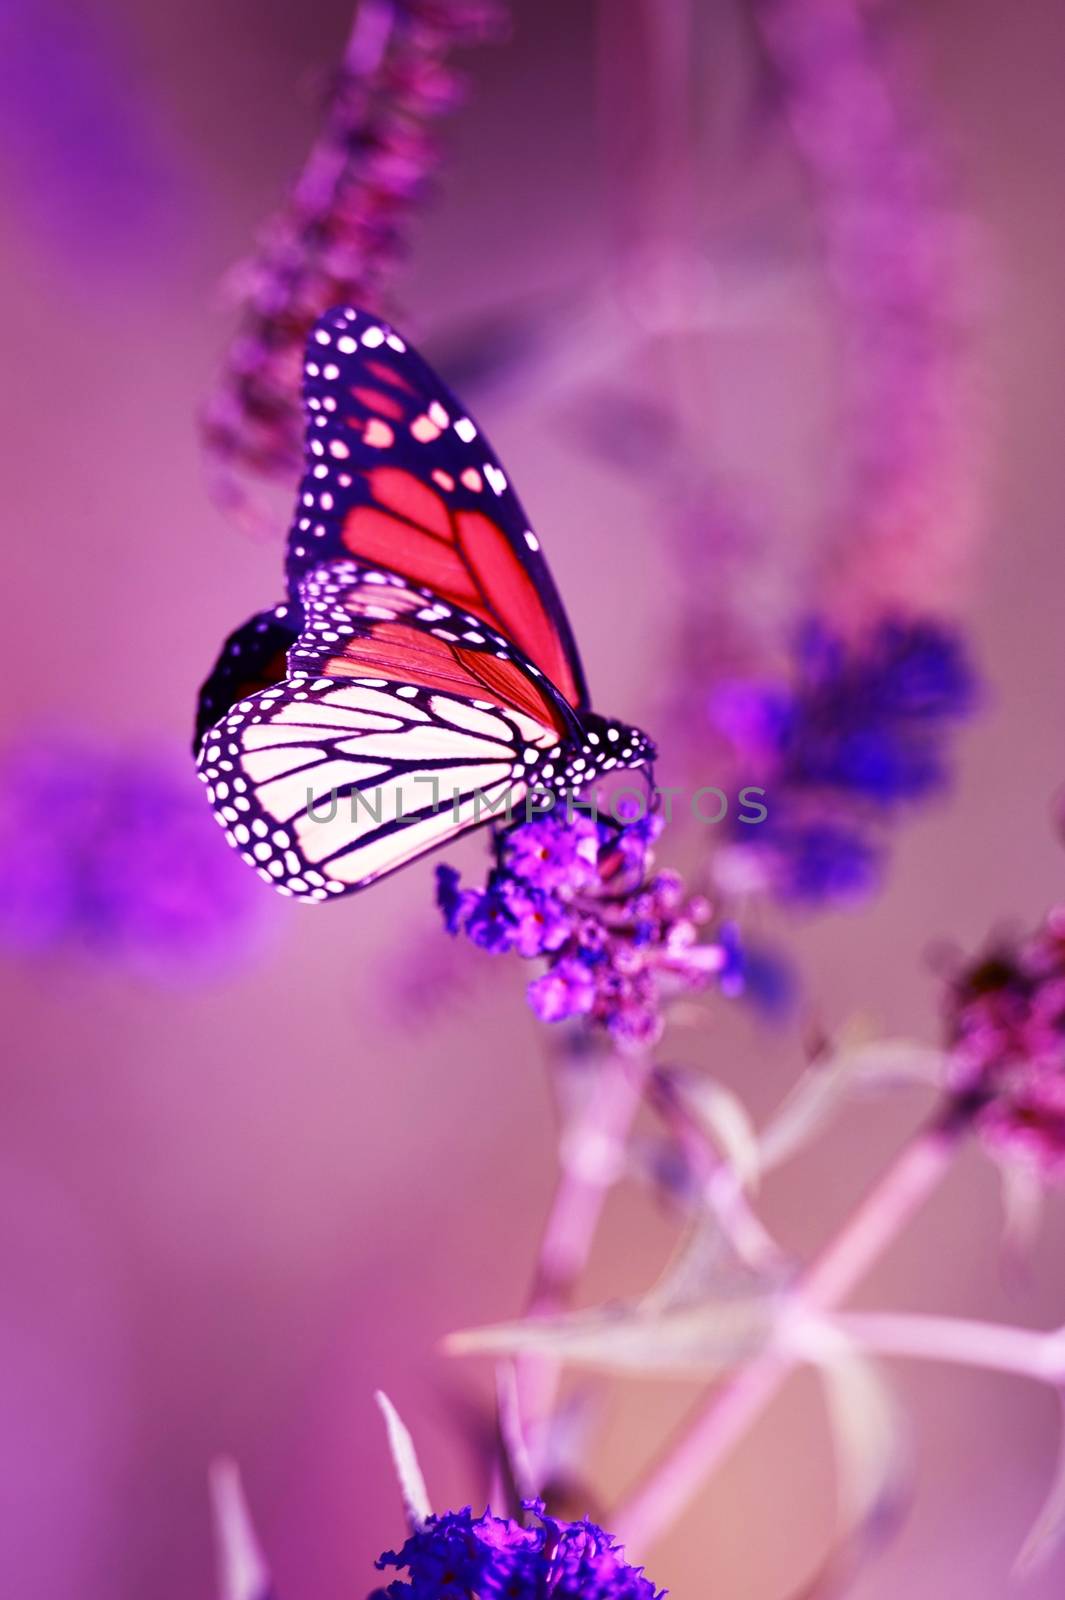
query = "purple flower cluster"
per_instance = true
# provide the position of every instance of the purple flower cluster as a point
(859, 733)
(898, 256)
(342, 232)
(462, 1557)
(1006, 1019)
(108, 851)
(617, 936)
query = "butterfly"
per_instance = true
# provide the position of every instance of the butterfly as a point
(421, 677)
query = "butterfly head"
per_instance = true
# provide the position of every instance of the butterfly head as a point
(603, 745)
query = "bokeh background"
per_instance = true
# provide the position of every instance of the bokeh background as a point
(232, 1205)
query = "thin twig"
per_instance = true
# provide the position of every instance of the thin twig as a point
(592, 1158)
(961, 1341)
(731, 1409)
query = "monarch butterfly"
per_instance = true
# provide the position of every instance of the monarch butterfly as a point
(421, 675)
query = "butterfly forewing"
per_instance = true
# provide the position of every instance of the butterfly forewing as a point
(400, 477)
(363, 621)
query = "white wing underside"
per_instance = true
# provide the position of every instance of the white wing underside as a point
(324, 785)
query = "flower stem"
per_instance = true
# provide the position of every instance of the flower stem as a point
(1024, 1352)
(732, 1407)
(592, 1155)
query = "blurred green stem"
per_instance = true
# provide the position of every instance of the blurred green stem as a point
(592, 1158)
(734, 1406)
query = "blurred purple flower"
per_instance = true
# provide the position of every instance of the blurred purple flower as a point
(342, 232)
(867, 718)
(900, 262)
(555, 858)
(455, 903)
(567, 990)
(919, 670)
(106, 850)
(1006, 1020)
(510, 914)
(803, 862)
(897, 258)
(618, 937)
(460, 1555)
(733, 971)
(770, 982)
(861, 731)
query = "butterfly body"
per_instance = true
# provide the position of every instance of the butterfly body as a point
(430, 677)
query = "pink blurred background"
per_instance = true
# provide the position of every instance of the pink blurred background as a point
(228, 1212)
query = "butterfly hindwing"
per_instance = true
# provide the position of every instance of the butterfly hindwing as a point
(400, 477)
(325, 786)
